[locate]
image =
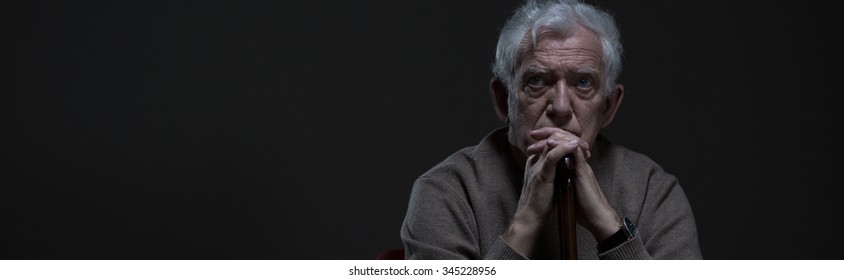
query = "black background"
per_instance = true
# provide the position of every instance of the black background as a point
(294, 130)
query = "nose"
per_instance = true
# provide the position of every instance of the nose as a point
(559, 105)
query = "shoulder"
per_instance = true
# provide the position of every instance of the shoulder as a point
(631, 179)
(629, 164)
(444, 195)
(468, 164)
(473, 177)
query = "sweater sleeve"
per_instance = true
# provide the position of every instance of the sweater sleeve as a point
(440, 224)
(501, 251)
(631, 250)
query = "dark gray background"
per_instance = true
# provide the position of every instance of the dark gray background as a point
(285, 130)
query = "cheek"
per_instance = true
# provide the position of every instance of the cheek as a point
(530, 109)
(527, 114)
(589, 120)
(589, 108)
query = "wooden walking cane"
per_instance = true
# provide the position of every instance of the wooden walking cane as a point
(564, 190)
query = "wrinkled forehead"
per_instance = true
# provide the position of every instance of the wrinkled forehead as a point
(552, 43)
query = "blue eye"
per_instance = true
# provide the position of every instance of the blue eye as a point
(584, 83)
(536, 81)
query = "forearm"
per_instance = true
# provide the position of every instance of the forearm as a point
(522, 233)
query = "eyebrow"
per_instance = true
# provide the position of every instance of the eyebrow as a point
(533, 69)
(587, 70)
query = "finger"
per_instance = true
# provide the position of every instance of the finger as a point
(555, 133)
(531, 160)
(587, 153)
(545, 132)
(541, 133)
(581, 166)
(538, 147)
(529, 164)
(539, 167)
(561, 149)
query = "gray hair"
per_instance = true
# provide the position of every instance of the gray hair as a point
(560, 16)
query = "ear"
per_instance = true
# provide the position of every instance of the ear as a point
(499, 98)
(611, 104)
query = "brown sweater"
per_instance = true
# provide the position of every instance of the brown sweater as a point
(460, 208)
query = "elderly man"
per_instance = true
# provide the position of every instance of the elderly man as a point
(554, 86)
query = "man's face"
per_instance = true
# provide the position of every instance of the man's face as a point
(560, 84)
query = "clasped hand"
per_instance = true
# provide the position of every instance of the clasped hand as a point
(536, 202)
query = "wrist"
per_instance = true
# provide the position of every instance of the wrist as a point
(626, 231)
(603, 230)
(521, 235)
